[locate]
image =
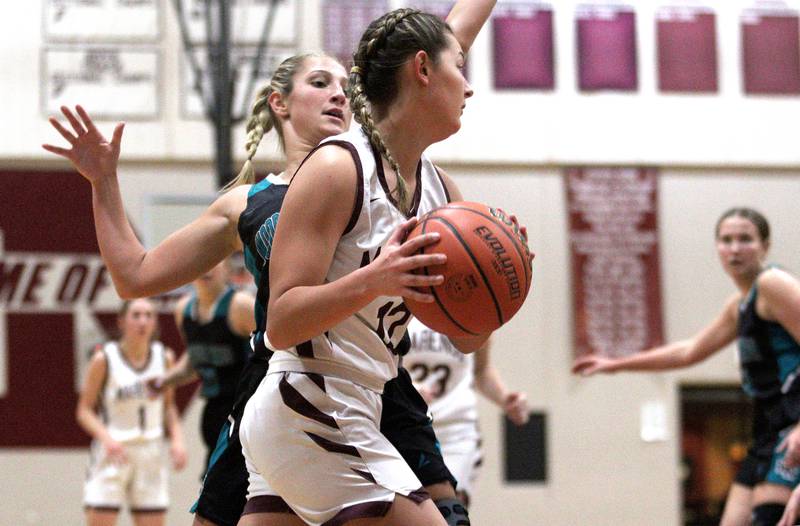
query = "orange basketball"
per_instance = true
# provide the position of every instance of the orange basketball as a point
(487, 275)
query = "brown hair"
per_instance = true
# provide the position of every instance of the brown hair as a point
(384, 47)
(754, 216)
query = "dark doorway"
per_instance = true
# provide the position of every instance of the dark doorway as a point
(715, 432)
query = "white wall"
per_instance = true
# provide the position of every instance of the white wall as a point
(510, 153)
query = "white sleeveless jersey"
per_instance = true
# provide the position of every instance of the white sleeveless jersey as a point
(127, 410)
(362, 347)
(436, 364)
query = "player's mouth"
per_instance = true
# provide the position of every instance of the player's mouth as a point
(335, 112)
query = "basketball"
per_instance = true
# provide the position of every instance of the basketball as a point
(487, 275)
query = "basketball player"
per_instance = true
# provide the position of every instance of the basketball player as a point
(448, 380)
(127, 425)
(216, 322)
(338, 273)
(764, 314)
(314, 85)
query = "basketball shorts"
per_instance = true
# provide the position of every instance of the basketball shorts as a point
(764, 463)
(141, 482)
(461, 448)
(224, 491)
(316, 441)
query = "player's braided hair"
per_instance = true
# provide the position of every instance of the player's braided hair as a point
(262, 119)
(384, 47)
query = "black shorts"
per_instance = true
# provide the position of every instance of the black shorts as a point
(407, 425)
(224, 491)
(404, 421)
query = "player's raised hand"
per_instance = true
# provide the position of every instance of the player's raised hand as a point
(90, 152)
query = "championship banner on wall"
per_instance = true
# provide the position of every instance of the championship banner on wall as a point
(616, 283)
(56, 303)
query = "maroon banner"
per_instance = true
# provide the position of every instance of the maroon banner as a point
(687, 49)
(606, 48)
(613, 233)
(343, 23)
(56, 302)
(523, 46)
(770, 51)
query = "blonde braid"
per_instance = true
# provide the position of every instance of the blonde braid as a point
(371, 42)
(259, 123)
(262, 120)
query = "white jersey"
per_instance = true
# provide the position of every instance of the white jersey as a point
(127, 411)
(362, 347)
(434, 363)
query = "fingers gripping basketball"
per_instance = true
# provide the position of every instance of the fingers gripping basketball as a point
(487, 275)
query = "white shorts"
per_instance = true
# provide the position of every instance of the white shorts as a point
(141, 482)
(316, 441)
(461, 449)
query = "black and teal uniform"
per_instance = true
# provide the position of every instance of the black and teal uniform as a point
(218, 355)
(404, 419)
(770, 364)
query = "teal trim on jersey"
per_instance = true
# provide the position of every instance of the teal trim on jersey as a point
(266, 235)
(251, 265)
(187, 311)
(219, 449)
(222, 307)
(787, 351)
(259, 186)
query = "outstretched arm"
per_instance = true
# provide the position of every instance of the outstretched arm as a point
(467, 18)
(489, 383)
(180, 258)
(711, 339)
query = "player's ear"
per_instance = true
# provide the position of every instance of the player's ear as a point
(278, 104)
(421, 65)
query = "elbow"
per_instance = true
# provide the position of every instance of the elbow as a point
(125, 291)
(278, 339)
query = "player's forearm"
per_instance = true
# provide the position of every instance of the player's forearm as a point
(670, 356)
(301, 313)
(181, 374)
(467, 18)
(174, 427)
(92, 425)
(121, 250)
(490, 385)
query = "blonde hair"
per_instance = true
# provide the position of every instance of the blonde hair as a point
(263, 119)
(384, 47)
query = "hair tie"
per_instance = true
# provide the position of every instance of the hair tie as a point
(355, 70)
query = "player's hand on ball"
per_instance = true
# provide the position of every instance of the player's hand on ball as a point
(91, 153)
(516, 408)
(393, 271)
